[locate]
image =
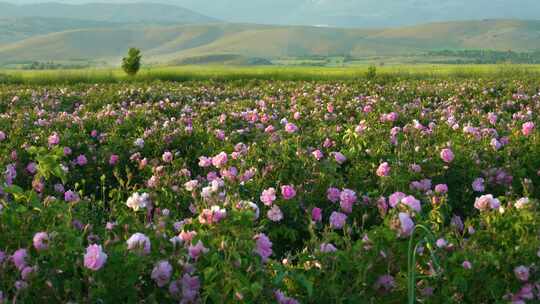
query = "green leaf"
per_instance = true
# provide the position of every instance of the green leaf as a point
(305, 283)
(14, 189)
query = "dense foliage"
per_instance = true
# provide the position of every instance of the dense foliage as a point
(131, 64)
(486, 56)
(271, 191)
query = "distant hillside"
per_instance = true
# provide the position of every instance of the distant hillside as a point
(347, 13)
(109, 12)
(186, 43)
(19, 28)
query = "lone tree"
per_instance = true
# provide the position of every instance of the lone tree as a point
(132, 63)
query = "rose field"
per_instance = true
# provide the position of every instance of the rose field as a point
(271, 191)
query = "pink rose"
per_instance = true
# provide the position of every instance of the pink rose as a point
(288, 192)
(94, 258)
(447, 155)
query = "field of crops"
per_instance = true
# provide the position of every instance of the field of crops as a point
(271, 191)
(283, 73)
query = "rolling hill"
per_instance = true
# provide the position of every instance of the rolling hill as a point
(347, 13)
(147, 13)
(192, 43)
(19, 28)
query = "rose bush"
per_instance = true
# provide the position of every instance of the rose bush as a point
(271, 191)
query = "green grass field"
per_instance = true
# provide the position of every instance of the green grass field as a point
(186, 73)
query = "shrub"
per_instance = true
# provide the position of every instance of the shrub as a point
(132, 63)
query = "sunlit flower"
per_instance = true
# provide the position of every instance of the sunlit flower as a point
(288, 192)
(268, 196)
(138, 201)
(139, 243)
(447, 155)
(95, 258)
(41, 241)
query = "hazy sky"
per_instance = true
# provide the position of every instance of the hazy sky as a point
(366, 13)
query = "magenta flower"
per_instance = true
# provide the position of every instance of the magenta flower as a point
(263, 246)
(385, 283)
(327, 248)
(67, 151)
(407, 224)
(317, 154)
(441, 188)
(333, 194)
(268, 196)
(191, 185)
(196, 251)
(190, 288)
(395, 198)
(290, 127)
(167, 157)
(94, 258)
(161, 273)
(139, 243)
(383, 170)
(478, 185)
(466, 265)
(19, 258)
(316, 214)
(415, 168)
(522, 273)
(81, 160)
(21, 285)
(486, 202)
(328, 143)
(447, 155)
(113, 160)
(219, 160)
(339, 157)
(71, 196)
(54, 139)
(337, 220)
(441, 243)
(392, 116)
(347, 199)
(275, 214)
(187, 236)
(495, 144)
(41, 241)
(31, 168)
(527, 128)
(27, 272)
(205, 161)
(138, 201)
(2, 136)
(220, 134)
(423, 185)
(10, 174)
(412, 202)
(213, 215)
(282, 299)
(288, 192)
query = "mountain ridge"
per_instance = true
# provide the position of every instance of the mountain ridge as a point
(173, 44)
(157, 13)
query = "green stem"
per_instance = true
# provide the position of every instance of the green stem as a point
(411, 260)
